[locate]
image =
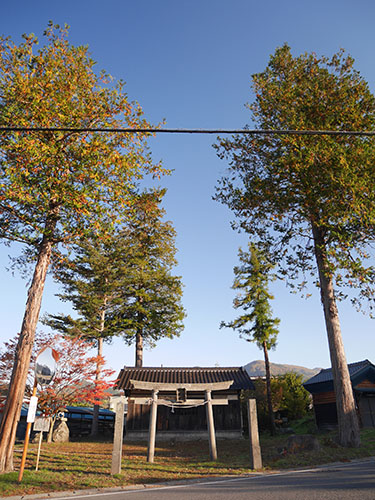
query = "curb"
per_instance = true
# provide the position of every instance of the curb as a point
(130, 487)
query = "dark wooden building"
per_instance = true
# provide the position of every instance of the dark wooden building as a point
(182, 396)
(362, 376)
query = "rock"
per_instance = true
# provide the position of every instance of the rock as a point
(61, 432)
(304, 442)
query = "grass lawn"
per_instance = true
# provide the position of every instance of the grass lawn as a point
(80, 465)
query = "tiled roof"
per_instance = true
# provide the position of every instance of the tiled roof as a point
(195, 375)
(326, 374)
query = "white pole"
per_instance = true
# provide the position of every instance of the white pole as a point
(152, 427)
(39, 446)
(211, 427)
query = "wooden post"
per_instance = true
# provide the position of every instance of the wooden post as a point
(210, 426)
(255, 453)
(152, 427)
(118, 438)
(27, 436)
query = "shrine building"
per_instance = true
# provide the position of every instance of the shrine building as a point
(186, 400)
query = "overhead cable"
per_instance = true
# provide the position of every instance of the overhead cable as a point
(188, 131)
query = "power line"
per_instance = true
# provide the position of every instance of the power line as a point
(189, 131)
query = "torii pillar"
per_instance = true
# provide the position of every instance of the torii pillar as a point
(152, 427)
(210, 426)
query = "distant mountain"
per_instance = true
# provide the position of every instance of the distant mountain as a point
(257, 369)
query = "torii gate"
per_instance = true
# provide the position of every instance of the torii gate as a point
(181, 400)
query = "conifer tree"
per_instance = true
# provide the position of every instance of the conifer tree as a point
(256, 324)
(122, 285)
(91, 282)
(152, 295)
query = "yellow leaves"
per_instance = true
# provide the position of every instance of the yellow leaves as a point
(91, 175)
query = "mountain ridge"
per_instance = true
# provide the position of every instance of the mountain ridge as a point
(257, 369)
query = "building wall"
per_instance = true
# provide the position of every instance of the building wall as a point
(366, 404)
(182, 435)
(325, 415)
(326, 412)
(226, 418)
(324, 398)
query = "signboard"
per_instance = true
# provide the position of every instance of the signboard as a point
(32, 409)
(42, 424)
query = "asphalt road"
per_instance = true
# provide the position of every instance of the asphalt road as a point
(335, 482)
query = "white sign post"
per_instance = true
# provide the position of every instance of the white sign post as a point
(41, 424)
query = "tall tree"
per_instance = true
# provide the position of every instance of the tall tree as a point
(123, 285)
(152, 306)
(256, 324)
(55, 186)
(310, 200)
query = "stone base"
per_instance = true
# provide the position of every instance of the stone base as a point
(305, 442)
(181, 435)
(61, 432)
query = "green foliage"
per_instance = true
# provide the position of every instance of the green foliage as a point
(123, 284)
(305, 425)
(91, 281)
(288, 397)
(260, 395)
(296, 401)
(152, 294)
(281, 186)
(251, 281)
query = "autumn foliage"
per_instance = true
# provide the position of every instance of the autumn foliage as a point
(74, 382)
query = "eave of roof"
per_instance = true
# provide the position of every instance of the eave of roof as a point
(324, 379)
(187, 375)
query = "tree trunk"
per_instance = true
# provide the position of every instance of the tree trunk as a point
(95, 416)
(17, 384)
(139, 350)
(268, 385)
(139, 336)
(346, 412)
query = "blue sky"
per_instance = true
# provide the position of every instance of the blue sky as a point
(190, 63)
